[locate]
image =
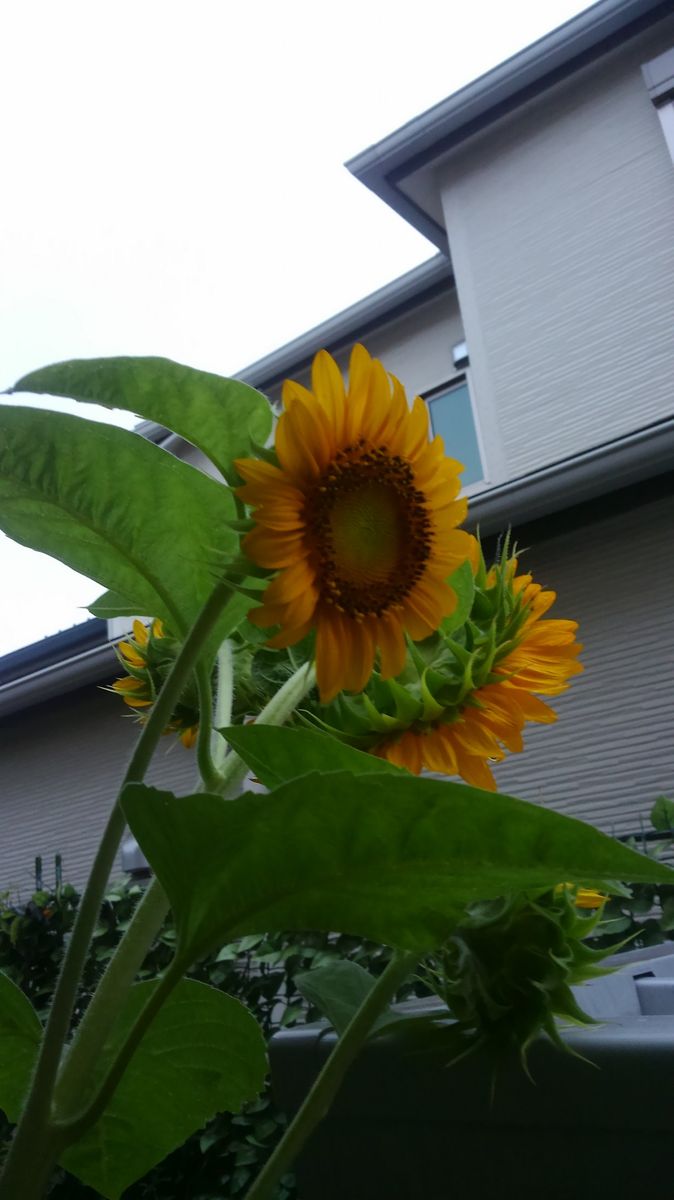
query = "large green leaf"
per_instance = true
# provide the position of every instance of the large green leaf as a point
(390, 857)
(116, 508)
(277, 755)
(338, 990)
(223, 417)
(204, 1053)
(20, 1033)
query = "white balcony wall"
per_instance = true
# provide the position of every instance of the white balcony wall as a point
(561, 230)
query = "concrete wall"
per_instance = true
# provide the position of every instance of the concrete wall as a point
(561, 230)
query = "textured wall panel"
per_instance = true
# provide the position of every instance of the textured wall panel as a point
(611, 753)
(60, 767)
(416, 347)
(561, 228)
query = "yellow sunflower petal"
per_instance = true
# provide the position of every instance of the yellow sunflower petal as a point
(272, 549)
(439, 754)
(130, 654)
(475, 771)
(328, 386)
(140, 632)
(391, 642)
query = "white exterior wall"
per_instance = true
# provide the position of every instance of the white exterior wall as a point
(561, 230)
(611, 752)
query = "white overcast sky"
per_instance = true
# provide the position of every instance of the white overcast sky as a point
(172, 182)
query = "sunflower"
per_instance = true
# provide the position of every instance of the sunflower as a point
(359, 518)
(147, 657)
(539, 660)
(582, 897)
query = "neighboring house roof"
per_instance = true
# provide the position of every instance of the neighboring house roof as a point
(398, 168)
(58, 664)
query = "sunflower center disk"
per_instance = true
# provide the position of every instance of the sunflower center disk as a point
(371, 531)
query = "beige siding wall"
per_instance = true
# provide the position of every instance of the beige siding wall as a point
(61, 768)
(417, 347)
(611, 752)
(561, 229)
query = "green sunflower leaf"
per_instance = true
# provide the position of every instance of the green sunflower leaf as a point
(116, 508)
(338, 990)
(111, 604)
(222, 417)
(390, 857)
(204, 1053)
(662, 814)
(277, 755)
(20, 1033)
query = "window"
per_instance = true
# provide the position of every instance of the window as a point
(659, 78)
(451, 413)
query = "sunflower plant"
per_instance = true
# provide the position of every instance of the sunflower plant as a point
(317, 618)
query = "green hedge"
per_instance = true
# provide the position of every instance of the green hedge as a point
(219, 1162)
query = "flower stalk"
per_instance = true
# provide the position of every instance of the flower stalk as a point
(20, 1174)
(318, 1100)
(153, 907)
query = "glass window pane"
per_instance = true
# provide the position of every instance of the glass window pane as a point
(452, 417)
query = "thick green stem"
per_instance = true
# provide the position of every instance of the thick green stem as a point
(107, 1000)
(224, 700)
(276, 712)
(317, 1103)
(18, 1177)
(150, 913)
(78, 1125)
(208, 770)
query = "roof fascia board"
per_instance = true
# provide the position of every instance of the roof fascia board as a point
(425, 282)
(631, 459)
(57, 679)
(602, 27)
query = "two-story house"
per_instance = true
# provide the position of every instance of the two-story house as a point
(541, 336)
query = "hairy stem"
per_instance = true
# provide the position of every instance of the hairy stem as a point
(276, 712)
(79, 1124)
(208, 770)
(30, 1133)
(224, 700)
(318, 1100)
(107, 1000)
(151, 911)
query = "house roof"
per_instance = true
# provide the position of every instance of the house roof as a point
(398, 168)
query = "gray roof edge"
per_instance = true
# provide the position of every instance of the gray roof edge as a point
(393, 300)
(57, 679)
(374, 310)
(490, 91)
(624, 461)
(630, 459)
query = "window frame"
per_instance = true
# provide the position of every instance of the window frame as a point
(443, 389)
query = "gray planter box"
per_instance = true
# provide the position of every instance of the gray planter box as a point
(406, 1129)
